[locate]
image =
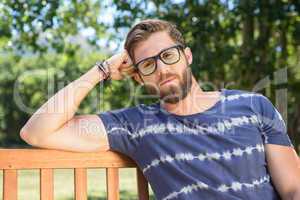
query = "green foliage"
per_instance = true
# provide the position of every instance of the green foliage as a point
(27, 82)
(42, 25)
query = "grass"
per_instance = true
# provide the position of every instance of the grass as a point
(28, 184)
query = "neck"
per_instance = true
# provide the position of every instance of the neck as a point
(196, 101)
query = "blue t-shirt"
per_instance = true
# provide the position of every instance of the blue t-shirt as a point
(216, 154)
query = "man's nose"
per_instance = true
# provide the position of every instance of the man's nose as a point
(162, 67)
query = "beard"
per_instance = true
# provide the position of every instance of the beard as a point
(173, 93)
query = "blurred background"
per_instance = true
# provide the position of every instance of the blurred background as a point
(236, 44)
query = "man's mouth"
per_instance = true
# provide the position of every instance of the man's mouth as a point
(166, 81)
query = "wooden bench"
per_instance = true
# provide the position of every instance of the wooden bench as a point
(46, 160)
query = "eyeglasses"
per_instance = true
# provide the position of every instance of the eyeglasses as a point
(168, 56)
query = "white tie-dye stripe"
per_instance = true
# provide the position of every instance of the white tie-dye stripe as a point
(238, 96)
(226, 155)
(217, 128)
(187, 189)
(117, 129)
(265, 137)
(235, 186)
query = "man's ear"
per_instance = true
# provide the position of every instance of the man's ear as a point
(189, 55)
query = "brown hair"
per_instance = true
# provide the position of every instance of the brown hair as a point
(141, 32)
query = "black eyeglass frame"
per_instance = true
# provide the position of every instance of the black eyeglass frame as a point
(158, 56)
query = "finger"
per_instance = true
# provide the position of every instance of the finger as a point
(124, 54)
(129, 70)
(127, 58)
(126, 65)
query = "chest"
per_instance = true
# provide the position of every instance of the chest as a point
(221, 140)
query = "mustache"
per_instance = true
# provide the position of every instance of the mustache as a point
(167, 76)
(187, 74)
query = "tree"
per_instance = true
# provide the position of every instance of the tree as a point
(38, 26)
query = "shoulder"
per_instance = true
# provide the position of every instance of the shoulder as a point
(232, 94)
(254, 101)
(248, 97)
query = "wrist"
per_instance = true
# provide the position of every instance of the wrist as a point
(104, 68)
(94, 75)
(100, 73)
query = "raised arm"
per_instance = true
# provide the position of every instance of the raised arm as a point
(54, 124)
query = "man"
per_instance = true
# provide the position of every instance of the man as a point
(226, 144)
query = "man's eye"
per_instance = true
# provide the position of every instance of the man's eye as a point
(167, 55)
(147, 64)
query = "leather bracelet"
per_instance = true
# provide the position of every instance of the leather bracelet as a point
(101, 68)
(104, 67)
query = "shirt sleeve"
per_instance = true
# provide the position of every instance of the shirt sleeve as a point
(119, 129)
(271, 123)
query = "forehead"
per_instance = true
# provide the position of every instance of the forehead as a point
(153, 45)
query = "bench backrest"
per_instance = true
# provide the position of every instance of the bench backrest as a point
(46, 160)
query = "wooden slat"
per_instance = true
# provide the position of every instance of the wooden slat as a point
(46, 184)
(143, 191)
(80, 182)
(10, 184)
(31, 159)
(112, 184)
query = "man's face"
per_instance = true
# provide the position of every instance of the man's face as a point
(179, 73)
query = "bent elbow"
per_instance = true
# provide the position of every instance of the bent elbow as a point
(23, 134)
(27, 137)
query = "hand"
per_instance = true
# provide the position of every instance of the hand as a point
(120, 65)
